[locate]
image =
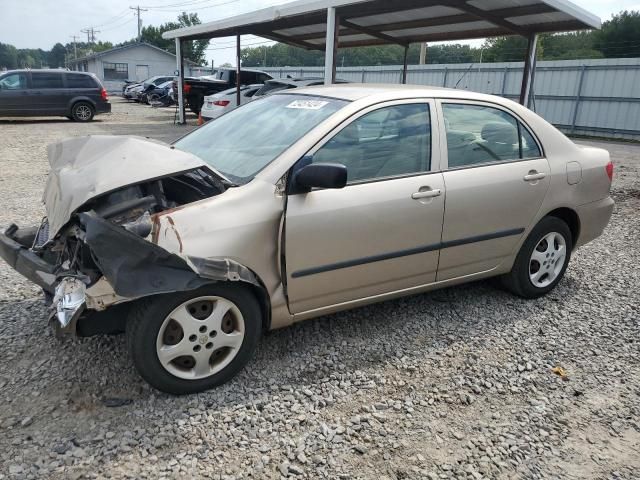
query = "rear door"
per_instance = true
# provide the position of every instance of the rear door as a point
(379, 234)
(48, 93)
(496, 179)
(14, 94)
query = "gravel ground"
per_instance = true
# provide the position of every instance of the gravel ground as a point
(452, 384)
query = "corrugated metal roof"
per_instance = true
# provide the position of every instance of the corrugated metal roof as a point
(376, 22)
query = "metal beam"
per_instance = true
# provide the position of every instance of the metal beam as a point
(371, 32)
(331, 46)
(529, 69)
(238, 70)
(436, 21)
(488, 16)
(180, 69)
(293, 41)
(406, 65)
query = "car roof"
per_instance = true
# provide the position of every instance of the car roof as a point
(44, 70)
(358, 91)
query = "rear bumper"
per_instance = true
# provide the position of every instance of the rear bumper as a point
(594, 218)
(104, 107)
(25, 262)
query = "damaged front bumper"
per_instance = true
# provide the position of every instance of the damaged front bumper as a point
(26, 262)
(69, 294)
(131, 267)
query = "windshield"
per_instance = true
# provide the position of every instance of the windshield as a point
(247, 139)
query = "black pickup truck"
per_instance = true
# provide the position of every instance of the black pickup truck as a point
(195, 89)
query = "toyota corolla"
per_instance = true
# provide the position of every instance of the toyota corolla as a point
(299, 205)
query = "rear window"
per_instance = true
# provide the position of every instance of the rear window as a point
(76, 80)
(46, 80)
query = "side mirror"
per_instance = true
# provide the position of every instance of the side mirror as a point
(319, 175)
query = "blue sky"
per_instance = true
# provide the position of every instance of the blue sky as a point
(42, 23)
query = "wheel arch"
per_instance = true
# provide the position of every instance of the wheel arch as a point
(82, 98)
(571, 218)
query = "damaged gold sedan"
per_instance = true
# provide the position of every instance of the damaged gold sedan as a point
(299, 205)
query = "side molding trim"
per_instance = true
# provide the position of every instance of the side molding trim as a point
(405, 253)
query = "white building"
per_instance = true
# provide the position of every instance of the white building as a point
(137, 61)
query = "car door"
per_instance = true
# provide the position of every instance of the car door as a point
(496, 179)
(379, 234)
(14, 94)
(48, 93)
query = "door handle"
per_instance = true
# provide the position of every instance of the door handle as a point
(534, 176)
(426, 194)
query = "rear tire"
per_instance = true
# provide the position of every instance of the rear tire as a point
(542, 260)
(189, 342)
(82, 112)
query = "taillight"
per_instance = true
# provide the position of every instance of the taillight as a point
(187, 89)
(609, 169)
(222, 103)
(103, 94)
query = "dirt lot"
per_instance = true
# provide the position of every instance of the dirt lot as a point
(453, 384)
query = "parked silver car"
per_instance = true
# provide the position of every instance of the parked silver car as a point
(298, 205)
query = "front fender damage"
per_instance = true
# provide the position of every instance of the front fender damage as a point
(134, 268)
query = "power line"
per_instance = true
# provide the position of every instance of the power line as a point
(197, 9)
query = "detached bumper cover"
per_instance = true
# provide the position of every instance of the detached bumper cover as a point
(27, 263)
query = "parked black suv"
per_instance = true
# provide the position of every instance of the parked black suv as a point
(195, 89)
(35, 93)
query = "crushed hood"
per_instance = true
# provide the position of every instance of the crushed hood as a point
(86, 167)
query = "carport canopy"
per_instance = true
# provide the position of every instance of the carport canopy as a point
(329, 24)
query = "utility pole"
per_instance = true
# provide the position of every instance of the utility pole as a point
(137, 11)
(75, 47)
(423, 53)
(91, 34)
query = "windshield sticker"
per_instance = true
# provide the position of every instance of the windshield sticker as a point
(307, 104)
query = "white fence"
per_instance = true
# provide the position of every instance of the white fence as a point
(582, 97)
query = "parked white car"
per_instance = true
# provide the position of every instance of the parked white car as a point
(225, 101)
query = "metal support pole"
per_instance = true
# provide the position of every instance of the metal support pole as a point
(331, 48)
(576, 106)
(180, 69)
(446, 74)
(406, 65)
(238, 70)
(504, 81)
(529, 68)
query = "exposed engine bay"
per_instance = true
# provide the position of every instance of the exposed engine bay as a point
(132, 208)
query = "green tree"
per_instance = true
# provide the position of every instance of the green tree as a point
(8, 56)
(193, 50)
(620, 36)
(56, 57)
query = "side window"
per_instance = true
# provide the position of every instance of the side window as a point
(75, 80)
(530, 148)
(46, 80)
(388, 142)
(477, 134)
(15, 81)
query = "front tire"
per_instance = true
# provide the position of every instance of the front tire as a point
(82, 112)
(542, 260)
(192, 341)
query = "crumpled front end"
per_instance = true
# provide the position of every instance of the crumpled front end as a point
(106, 252)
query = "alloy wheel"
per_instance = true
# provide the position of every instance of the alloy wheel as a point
(547, 260)
(200, 337)
(83, 112)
